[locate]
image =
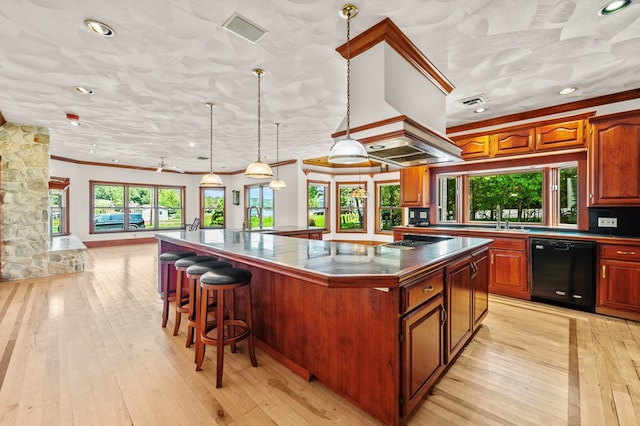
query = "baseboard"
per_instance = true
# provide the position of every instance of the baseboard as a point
(125, 242)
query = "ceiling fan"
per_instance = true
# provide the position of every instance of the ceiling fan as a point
(164, 166)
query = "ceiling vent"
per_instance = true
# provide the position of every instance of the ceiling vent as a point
(246, 29)
(200, 157)
(474, 101)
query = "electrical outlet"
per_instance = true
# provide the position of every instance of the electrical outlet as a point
(607, 222)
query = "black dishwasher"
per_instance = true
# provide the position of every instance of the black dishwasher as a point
(562, 273)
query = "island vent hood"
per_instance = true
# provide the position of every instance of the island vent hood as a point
(397, 100)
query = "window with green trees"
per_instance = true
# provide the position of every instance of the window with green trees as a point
(353, 210)
(388, 210)
(318, 204)
(519, 194)
(212, 212)
(130, 207)
(260, 209)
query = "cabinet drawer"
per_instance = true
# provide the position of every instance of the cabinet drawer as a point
(612, 251)
(419, 292)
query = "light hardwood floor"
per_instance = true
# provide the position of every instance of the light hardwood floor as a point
(88, 349)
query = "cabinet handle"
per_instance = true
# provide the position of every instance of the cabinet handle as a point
(626, 252)
(419, 196)
(427, 289)
(530, 141)
(538, 141)
(444, 314)
(604, 271)
(492, 256)
(474, 270)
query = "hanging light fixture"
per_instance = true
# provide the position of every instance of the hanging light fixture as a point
(211, 179)
(359, 192)
(277, 183)
(258, 170)
(348, 151)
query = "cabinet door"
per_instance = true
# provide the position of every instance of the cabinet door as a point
(459, 306)
(561, 135)
(422, 352)
(513, 142)
(614, 162)
(474, 147)
(414, 183)
(480, 287)
(619, 285)
(509, 273)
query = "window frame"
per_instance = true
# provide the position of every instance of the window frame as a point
(327, 203)
(203, 207)
(353, 185)
(60, 184)
(247, 220)
(379, 209)
(551, 165)
(126, 211)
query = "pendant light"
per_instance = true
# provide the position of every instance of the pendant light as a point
(348, 151)
(277, 183)
(211, 179)
(359, 192)
(258, 170)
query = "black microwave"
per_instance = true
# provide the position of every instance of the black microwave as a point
(418, 216)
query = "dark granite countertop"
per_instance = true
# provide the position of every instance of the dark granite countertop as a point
(324, 257)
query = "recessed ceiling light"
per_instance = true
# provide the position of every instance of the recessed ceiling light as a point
(100, 28)
(83, 90)
(376, 146)
(479, 110)
(614, 6)
(115, 161)
(567, 90)
(192, 144)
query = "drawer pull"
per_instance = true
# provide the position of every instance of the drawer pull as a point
(427, 289)
(561, 293)
(604, 271)
(626, 252)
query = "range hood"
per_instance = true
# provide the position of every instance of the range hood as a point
(397, 100)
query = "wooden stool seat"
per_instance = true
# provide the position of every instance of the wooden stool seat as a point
(220, 281)
(167, 261)
(182, 288)
(193, 274)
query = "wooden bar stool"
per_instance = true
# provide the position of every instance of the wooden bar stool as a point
(220, 281)
(182, 287)
(167, 262)
(193, 273)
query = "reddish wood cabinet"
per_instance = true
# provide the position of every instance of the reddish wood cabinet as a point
(619, 281)
(614, 160)
(516, 141)
(509, 271)
(474, 147)
(414, 186)
(567, 134)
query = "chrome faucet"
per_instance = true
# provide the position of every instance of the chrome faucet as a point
(258, 215)
(498, 216)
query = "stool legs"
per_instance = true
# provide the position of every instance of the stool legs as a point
(165, 292)
(180, 282)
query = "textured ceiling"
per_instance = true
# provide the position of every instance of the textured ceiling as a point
(169, 57)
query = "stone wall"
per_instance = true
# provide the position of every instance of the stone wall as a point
(24, 199)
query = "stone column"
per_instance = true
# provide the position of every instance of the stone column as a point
(24, 200)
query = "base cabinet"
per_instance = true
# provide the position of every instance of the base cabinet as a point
(509, 268)
(422, 351)
(619, 281)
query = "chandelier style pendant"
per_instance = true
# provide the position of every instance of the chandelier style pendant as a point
(258, 170)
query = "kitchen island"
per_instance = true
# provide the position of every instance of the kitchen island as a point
(377, 324)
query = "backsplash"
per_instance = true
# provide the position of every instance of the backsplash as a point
(623, 221)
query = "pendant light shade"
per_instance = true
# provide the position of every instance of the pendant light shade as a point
(277, 183)
(258, 169)
(211, 179)
(348, 151)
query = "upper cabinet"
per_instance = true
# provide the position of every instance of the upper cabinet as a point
(414, 186)
(562, 133)
(614, 160)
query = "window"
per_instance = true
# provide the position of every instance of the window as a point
(352, 214)
(212, 210)
(58, 202)
(318, 204)
(518, 195)
(146, 207)
(388, 210)
(542, 195)
(260, 210)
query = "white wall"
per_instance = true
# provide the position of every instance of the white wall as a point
(290, 203)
